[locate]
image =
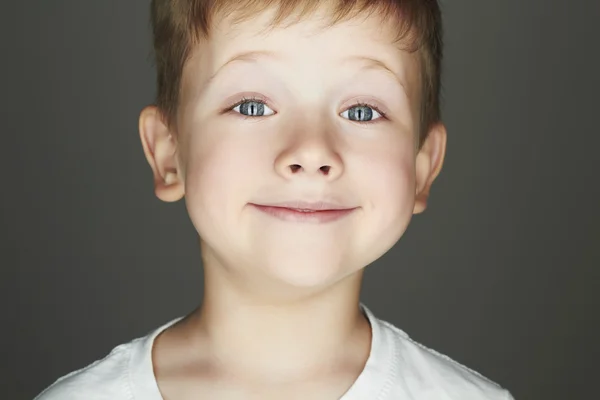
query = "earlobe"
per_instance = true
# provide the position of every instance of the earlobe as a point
(429, 164)
(160, 150)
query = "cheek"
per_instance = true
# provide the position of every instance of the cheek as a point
(397, 184)
(221, 171)
(389, 175)
(389, 187)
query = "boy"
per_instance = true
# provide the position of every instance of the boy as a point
(303, 136)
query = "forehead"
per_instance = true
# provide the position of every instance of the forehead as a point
(319, 21)
(312, 42)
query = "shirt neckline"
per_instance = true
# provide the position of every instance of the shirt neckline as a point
(372, 382)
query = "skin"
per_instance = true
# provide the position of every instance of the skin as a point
(280, 305)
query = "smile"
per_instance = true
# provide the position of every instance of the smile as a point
(316, 213)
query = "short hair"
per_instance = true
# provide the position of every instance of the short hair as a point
(179, 24)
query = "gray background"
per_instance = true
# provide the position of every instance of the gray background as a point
(500, 273)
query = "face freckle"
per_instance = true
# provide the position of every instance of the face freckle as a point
(321, 118)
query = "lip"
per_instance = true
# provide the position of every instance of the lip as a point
(301, 211)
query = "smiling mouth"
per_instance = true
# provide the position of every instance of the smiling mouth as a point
(306, 212)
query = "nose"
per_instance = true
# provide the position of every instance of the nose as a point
(310, 157)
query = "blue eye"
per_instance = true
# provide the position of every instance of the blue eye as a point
(362, 113)
(252, 108)
(255, 107)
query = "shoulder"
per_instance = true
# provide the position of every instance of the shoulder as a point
(104, 379)
(428, 374)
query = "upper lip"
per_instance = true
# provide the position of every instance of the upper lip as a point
(306, 205)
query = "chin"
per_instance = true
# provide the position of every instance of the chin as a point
(307, 271)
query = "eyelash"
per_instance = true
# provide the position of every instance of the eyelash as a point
(265, 102)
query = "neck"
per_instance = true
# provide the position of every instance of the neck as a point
(281, 341)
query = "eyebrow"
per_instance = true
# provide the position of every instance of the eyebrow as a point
(374, 63)
(247, 56)
(255, 55)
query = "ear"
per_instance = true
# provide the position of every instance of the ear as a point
(429, 164)
(160, 149)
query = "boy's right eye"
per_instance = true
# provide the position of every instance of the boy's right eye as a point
(252, 108)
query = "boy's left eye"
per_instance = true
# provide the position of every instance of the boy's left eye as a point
(362, 113)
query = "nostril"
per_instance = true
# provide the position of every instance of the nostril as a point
(297, 167)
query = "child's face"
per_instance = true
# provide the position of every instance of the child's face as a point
(308, 144)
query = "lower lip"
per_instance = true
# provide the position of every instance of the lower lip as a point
(318, 217)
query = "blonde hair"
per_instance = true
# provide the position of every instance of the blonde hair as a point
(178, 24)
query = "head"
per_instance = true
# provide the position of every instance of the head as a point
(268, 102)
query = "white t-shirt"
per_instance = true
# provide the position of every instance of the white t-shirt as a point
(398, 368)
